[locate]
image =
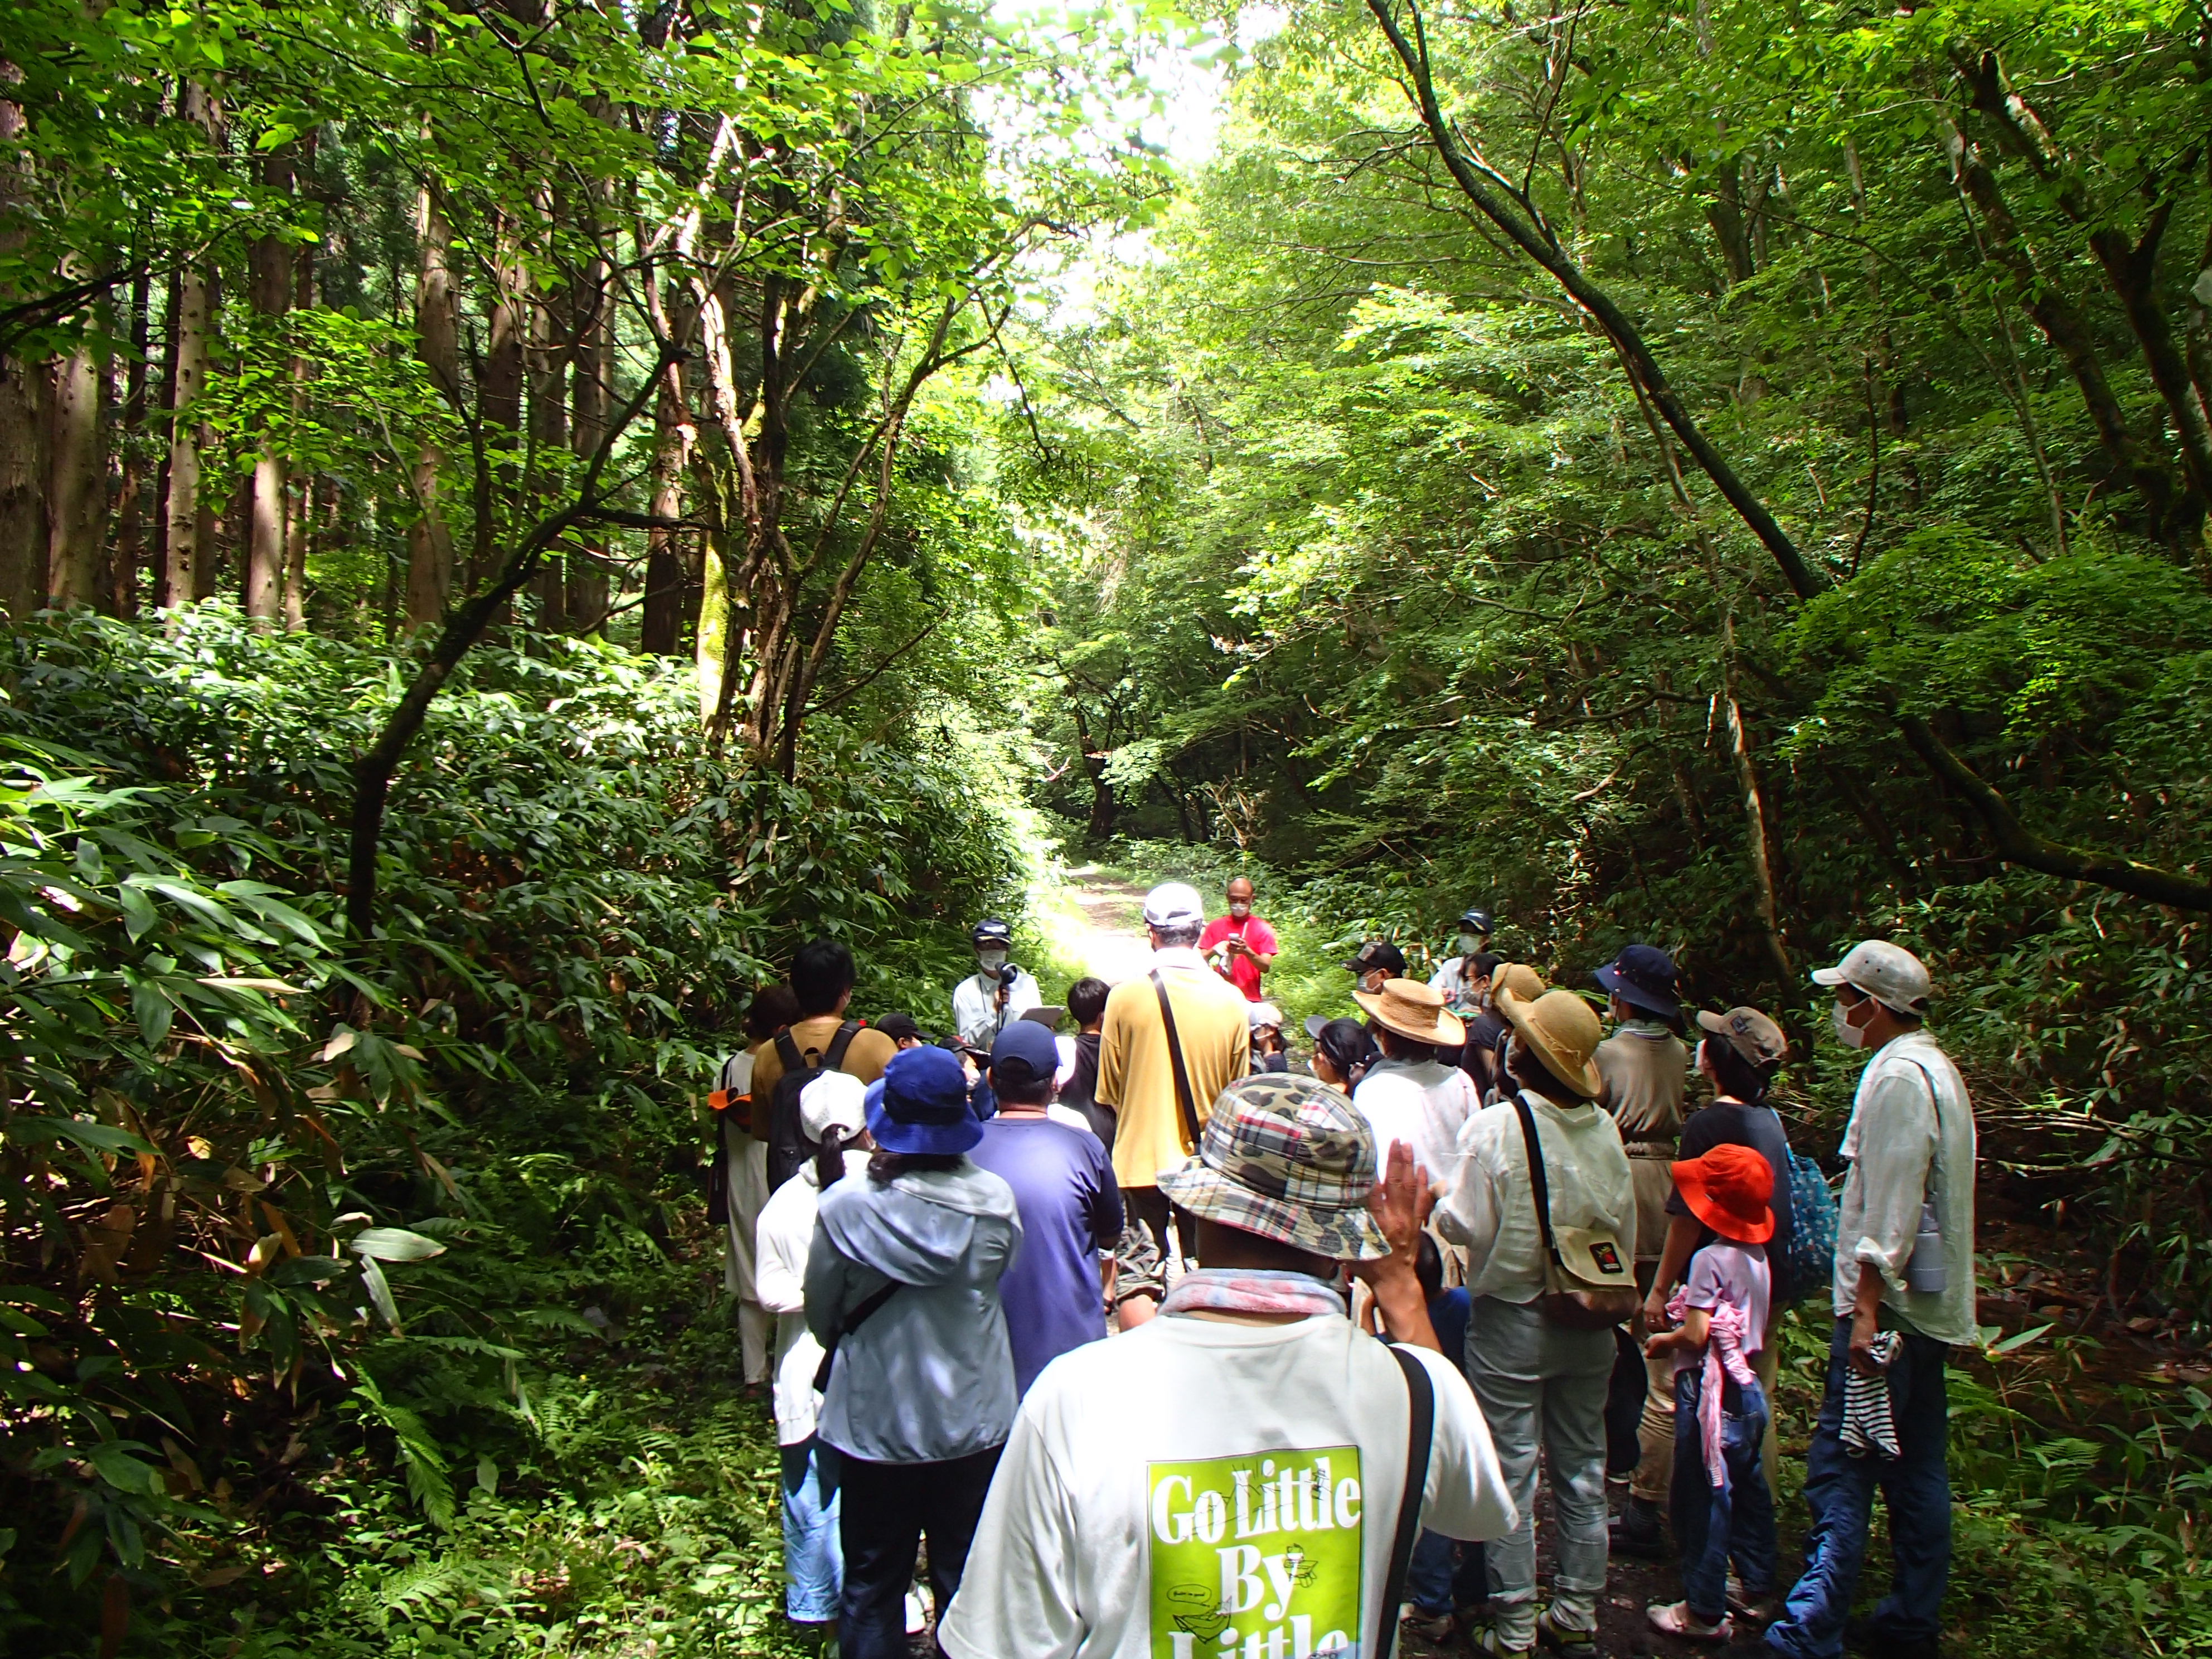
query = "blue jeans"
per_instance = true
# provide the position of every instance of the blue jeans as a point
(1716, 1525)
(1435, 1584)
(813, 1565)
(1839, 1490)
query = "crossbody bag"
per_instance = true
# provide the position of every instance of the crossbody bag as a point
(1422, 1401)
(1589, 1282)
(1175, 1055)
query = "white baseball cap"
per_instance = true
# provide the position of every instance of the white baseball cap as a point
(1888, 973)
(1173, 904)
(836, 1100)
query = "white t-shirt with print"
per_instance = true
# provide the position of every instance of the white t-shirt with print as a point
(1197, 1488)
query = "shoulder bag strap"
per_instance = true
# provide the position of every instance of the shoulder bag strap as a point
(846, 1032)
(1421, 1399)
(1175, 1055)
(863, 1310)
(1537, 1186)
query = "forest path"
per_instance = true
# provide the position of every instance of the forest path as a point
(1100, 926)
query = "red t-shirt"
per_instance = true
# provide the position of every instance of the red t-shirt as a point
(1243, 972)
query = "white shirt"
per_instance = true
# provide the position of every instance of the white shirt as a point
(1905, 1144)
(975, 1005)
(1117, 1530)
(748, 1183)
(1426, 1104)
(785, 1233)
(1491, 1208)
(1451, 979)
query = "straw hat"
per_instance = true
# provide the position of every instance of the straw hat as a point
(1517, 977)
(1563, 1031)
(1413, 1010)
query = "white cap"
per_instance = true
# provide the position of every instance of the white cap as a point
(1260, 1015)
(836, 1100)
(1173, 904)
(1888, 973)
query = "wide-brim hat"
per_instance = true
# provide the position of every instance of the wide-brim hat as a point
(921, 1105)
(1413, 1010)
(1728, 1189)
(1288, 1158)
(1563, 1031)
(1644, 976)
(1517, 977)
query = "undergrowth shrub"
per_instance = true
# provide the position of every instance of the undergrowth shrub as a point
(294, 1228)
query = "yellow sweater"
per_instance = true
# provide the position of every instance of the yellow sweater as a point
(1136, 1076)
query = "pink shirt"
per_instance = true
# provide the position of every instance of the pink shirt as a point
(1243, 972)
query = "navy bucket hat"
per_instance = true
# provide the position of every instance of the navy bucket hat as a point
(1644, 975)
(921, 1105)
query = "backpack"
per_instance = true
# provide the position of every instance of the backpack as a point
(1812, 1226)
(788, 1146)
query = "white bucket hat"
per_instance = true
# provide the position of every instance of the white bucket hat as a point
(1888, 973)
(836, 1100)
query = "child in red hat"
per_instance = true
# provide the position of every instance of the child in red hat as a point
(1722, 1509)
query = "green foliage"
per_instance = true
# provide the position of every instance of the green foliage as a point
(272, 1198)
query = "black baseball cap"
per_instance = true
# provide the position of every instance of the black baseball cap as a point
(1378, 953)
(901, 1027)
(1475, 920)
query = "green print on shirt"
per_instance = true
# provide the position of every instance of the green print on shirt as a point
(1257, 1557)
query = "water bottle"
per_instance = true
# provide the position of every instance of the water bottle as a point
(1928, 1273)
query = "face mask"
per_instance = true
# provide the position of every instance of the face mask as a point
(1470, 944)
(1846, 1033)
(1240, 908)
(990, 961)
(1372, 984)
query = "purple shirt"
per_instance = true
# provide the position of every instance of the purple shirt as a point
(1070, 1209)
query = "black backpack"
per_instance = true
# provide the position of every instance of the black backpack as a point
(788, 1147)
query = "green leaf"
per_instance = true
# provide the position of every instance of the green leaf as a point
(94, 1137)
(380, 1291)
(153, 1011)
(2018, 1341)
(138, 912)
(394, 1244)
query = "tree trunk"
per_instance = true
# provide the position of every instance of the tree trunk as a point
(499, 402)
(191, 552)
(548, 361)
(592, 361)
(299, 508)
(437, 332)
(660, 628)
(76, 488)
(130, 445)
(1759, 826)
(23, 533)
(269, 266)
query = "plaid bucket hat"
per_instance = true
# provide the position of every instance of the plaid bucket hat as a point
(1289, 1158)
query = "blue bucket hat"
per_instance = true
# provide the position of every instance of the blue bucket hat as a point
(1644, 976)
(921, 1105)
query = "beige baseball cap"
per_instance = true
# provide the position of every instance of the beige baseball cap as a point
(1888, 973)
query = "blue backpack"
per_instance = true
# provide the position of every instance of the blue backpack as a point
(1812, 1226)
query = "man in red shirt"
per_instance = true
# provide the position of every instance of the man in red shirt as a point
(1240, 946)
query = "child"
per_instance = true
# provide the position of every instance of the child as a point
(1722, 1509)
(1445, 1576)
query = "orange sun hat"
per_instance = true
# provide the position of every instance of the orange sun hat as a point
(1728, 1189)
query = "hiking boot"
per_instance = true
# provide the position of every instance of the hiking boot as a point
(1760, 1606)
(1429, 1627)
(1862, 1635)
(1485, 1640)
(1638, 1532)
(1675, 1619)
(1554, 1637)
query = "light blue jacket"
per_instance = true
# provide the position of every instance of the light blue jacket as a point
(930, 1375)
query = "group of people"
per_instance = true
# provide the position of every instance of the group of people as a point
(1475, 1168)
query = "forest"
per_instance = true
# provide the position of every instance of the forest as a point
(516, 513)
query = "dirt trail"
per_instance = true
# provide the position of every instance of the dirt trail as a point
(1109, 936)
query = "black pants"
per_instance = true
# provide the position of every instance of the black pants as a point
(885, 1509)
(1149, 1206)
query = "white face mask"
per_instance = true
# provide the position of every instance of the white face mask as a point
(990, 961)
(1846, 1033)
(1470, 944)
